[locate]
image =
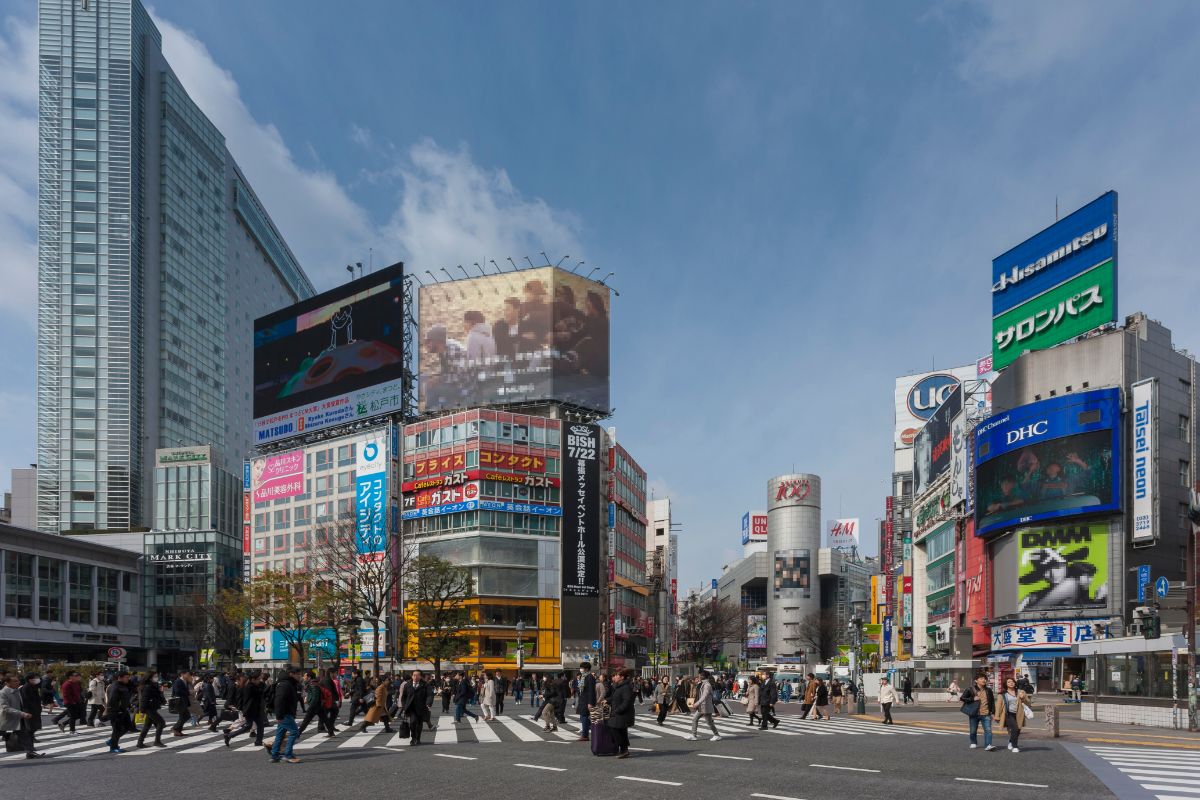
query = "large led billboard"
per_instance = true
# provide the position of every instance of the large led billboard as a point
(1047, 460)
(1057, 284)
(332, 359)
(934, 444)
(516, 337)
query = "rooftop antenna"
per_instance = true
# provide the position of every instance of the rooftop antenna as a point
(564, 258)
(370, 259)
(577, 266)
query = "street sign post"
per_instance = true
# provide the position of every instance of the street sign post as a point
(1162, 586)
(595, 644)
(117, 653)
(1143, 580)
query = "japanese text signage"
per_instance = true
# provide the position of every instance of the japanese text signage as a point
(581, 511)
(1145, 461)
(277, 477)
(1058, 284)
(1056, 635)
(371, 496)
(1047, 460)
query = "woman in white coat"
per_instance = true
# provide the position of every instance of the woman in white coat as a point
(487, 697)
(887, 696)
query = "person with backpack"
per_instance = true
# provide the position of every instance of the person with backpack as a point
(314, 703)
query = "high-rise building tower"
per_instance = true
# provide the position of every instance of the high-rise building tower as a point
(154, 258)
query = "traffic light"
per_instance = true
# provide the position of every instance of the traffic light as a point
(1152, 626)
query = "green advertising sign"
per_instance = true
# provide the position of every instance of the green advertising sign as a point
(1077, 306)
(1065, 566)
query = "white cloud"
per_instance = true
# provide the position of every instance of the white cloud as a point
(18, 171)
(453, 211)
(323, 225)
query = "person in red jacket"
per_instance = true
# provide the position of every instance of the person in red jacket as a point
(74, 709)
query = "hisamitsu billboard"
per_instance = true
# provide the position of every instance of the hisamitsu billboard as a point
(1071, 246)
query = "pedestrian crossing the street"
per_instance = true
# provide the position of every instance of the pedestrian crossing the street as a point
(1166, 774)
(514, 727)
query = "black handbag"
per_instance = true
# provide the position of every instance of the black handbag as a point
(402, 729)
(970, 709)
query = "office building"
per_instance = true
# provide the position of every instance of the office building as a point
(154, 258)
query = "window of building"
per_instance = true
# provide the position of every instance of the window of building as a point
(282, 543)
(18, 586)
(324, 485)
(80, 597)
(345, 508)
(345, 455)
(50, 589)
(1184, 467)
(107, 596)
(283, 519)
(302, 515)
(324, 459)
(1185, 428)
(1184, 522)
(345, 481)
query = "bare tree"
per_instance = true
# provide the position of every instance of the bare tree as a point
(438, 591)
(367, 584)
(704, 626)
(291, 604)
(203, 618)
(820, 631)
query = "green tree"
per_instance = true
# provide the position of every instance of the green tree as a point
(438, 590)
(291, 603)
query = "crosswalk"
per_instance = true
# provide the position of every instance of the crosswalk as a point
(513, 727)
(1166, 774)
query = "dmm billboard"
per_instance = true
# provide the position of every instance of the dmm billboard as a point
(1064, 566)
(1047, 460)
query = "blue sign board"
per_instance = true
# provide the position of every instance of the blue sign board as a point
(595, 644)
(1069, 247)
(1162, 586)
(245, 476)
(484, 505)
(1056, 458)
(612, 516)
(370, 487)
(1143, 580)
(433, 511)
(887, 637)
(746, 528)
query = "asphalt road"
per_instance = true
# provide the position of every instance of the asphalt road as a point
(848, 759)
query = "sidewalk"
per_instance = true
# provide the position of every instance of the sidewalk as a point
(1071, 727)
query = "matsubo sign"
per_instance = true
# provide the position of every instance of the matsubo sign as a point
(1145, 461)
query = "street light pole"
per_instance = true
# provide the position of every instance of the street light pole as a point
(859, 605)
(520, 645)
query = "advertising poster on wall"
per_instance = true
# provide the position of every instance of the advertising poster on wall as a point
(371, 497)
(933, 446)
(277, 476)
(918, 396)
(754, 527)
(1145, 461)
(1047, 460)
(537, 334)
(756, 632)
(792, 575)
(581, 511)
(1061, 567)
(959, 456)
(330, 359)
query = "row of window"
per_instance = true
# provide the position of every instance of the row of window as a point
(61, 590)
(485, 430)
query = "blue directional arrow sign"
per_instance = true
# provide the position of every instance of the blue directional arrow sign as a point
(595, 644)
(1162, 586)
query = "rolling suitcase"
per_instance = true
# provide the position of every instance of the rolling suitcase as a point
(602, 740)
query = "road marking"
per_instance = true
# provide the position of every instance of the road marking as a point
(647, 780)
(461, 758)
(732, 758)
(851, 769)
(1147, 744)
(1004, 783)
(539, 766)
(523, 733)
(774, 797)
(642, 749)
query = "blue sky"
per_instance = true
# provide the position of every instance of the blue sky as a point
(800, 201)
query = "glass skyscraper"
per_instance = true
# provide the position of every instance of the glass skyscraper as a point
(154, 258)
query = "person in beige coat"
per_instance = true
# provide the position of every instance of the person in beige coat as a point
(1012, 711)
(753, 689)
(379, 711)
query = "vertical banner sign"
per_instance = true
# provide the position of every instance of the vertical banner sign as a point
(581, 511)
(371, 495)
(1145, 461)
(959, 456)
(887, 637)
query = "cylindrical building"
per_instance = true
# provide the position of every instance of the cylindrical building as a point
(793, 538)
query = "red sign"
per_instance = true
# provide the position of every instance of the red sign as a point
(458, 478)
(907, 584)
(758, 525)
(975, 607)
(522, 461)
(441, 496)
(792, 490)
(436, 466)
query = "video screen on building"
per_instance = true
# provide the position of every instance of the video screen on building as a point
(1048, 460)
(792, 577)
(332, 359)
(537, 334)
(934, 444)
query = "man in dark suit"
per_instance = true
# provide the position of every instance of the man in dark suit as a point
(586, 699)
(181, 699)
(414, 704)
